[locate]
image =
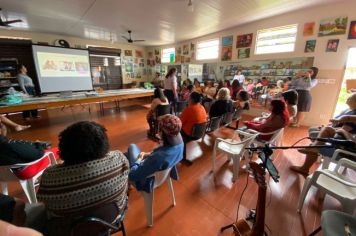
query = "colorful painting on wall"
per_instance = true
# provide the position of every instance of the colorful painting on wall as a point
(192, 47)
(226, 53)
(129, 67)
(244, 40)
(332, 45)
(243, 53)
(128, 53)
(138, 53)
(185, 49)
(179, 50)
(308, 29)
(310, 45)
(352, 31)
(156, 51)
(333, 26)
(227, 41)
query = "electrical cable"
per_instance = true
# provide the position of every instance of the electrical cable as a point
(243, 191)
(299, 141)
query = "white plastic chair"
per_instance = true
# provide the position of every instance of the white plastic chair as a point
(275, 140)
(28, 185)
(333, 184)
(234, 149)
(160, 178)
(338, 152)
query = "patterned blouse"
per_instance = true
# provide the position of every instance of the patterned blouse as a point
(75, 188)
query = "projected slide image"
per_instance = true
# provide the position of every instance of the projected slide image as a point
(63, 65)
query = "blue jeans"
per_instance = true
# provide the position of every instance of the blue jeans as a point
(132, 154)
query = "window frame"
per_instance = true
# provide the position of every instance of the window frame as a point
(174, 49)
(274, 29)
(205, 41)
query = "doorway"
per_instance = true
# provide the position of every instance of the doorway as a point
(348, 83)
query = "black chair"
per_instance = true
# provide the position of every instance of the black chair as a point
(237, 115)
(95, 226)
(213, 124)
(179, 107)
(198, 132)
(227, 118)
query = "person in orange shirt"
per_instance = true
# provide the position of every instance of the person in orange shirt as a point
(193, 114)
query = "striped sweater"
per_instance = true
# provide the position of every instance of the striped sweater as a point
(72, 189)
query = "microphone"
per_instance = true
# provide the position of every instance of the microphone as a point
(336, 142)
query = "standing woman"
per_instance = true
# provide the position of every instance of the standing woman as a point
(170, 85)
(303, 84)
(27, 86)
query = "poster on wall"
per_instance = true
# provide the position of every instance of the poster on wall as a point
(333, 26)
(308, 29)
(352, 31)
(244, 40)
(129, 67)
(158, 60)
(177, 58)
(243, 53)
(227, 41)
(192, 47)
(179, 50)
(226, 53)
(156, 51)
(185, 49)
(332, 45)
(128, 53)
(138, 53)
(310, 45)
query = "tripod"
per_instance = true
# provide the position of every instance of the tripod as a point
(267, 164)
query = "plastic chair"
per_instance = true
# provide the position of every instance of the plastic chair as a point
(198, 132)
(179, 107)
(333, 184)
(338, 154)
(160, 178)
(26, 174)
(161, 110)
(234, 149)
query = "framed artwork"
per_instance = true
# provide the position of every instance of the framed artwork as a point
(129, 67)
(177, 59)
(333, 26)
(226, 53)
(192, 47)
(128, 53)
(179, 51)
(185, 49)
(332, 45)
(156, 51)
(227, 41)
(244, 41)
(310, 45)
(138, 53)
(308, 29)
(243, 53)
(158, 60)
(352, 31)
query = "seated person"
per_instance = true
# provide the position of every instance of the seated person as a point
(197, 88)
(209, 90)
(166, 156)
(193, 114)
(279, 118)
(5, 123)
(228, 86)
(19, 151)
(158, 99)
(222, 105)
(220, 85)
(185, 93)
(15, 211)
(291, 99)
(235, 87)
(250, 87)
(347, 131)
(91, 182)
(242, 100)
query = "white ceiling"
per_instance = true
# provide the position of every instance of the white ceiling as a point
(159, 22)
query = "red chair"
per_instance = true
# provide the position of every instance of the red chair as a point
(26, 174)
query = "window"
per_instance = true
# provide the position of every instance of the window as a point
(168, 55)
(278, 39)
(208, 50)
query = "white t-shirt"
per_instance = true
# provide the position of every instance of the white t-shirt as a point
(240, 78)
(170, 83)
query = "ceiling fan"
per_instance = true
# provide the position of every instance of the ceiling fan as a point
(7, 23)
(130, 40)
